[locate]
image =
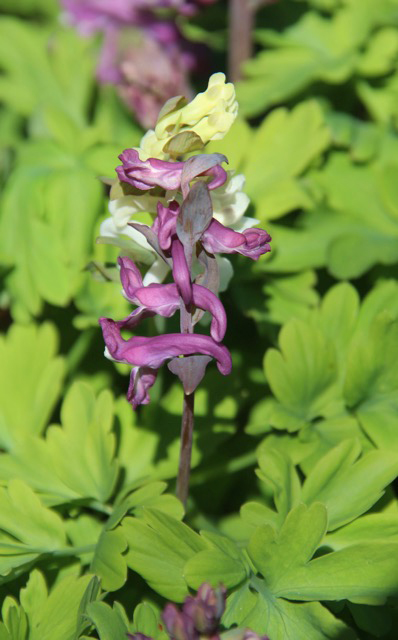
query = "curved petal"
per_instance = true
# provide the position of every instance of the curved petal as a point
(163, 299)
(141, 351)
(181, 274)
(147, 174)
(165, 223)
(130, 277)
(150, 173)
(141, 380)
(207, 300)
(251, 243)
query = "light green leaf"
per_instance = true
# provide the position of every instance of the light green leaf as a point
(222, 563)
(109, 563)
(302, 375)
(58, 614)
(108, 621)
(380, 55)
(30, 381)
(85, 438)
(260, 611)
(271, 171)
(364, 573)
(159, 549)
(348, 487)
(277, 555)
(372, 527)
(278, 474)
(314, 48)
(146, 620)
(34, 527)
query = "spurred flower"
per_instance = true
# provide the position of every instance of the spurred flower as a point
(164, 300)
(153, 352)
(251, 243)
(147, 174)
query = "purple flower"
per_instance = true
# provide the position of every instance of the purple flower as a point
(179, 625)
(149, 71)
(141, 380)
(148, 354)
(141, 351)
(206, 608)
(147, 174)
(251, 243)
(164, 300)
(98, 15)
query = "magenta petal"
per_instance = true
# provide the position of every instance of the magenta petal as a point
(256, 243)
(165, 223)
(134, 319)
(150, 173)
(130, 277)
(141, 380)
(179, 626)
(141, 351)
(181, 274)
(251, 243)
(164, 299)
(207, 300)
(146, 174)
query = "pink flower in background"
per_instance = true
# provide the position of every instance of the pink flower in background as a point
(150, 74)
(143, 54)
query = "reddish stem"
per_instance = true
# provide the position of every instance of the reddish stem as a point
(241, 19)
(184, 468)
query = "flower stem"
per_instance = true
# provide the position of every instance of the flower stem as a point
(241, 18)
(185, 448)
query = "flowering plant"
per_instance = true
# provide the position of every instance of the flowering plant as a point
(187, 238)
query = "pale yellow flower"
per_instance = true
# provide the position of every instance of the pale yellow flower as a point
(209, 116)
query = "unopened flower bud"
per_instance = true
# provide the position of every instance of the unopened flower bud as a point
(206, 608)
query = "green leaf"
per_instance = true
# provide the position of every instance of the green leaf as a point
(277, 555)
(30, 381)
(373, 527)
(270, 172)
(290, 296)
(223, 563)
(314, 48)
(380, 55)
(302, 375)
(159, 549)
(91, 594)
(146, 620)
(108, 621)
(348, 487)
(53, 615)
(30, 528)
(86, 438)
(109, 563)
(277, 472)
(364, 573)
(260, 611)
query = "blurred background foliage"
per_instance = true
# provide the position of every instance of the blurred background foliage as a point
(308, 419)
